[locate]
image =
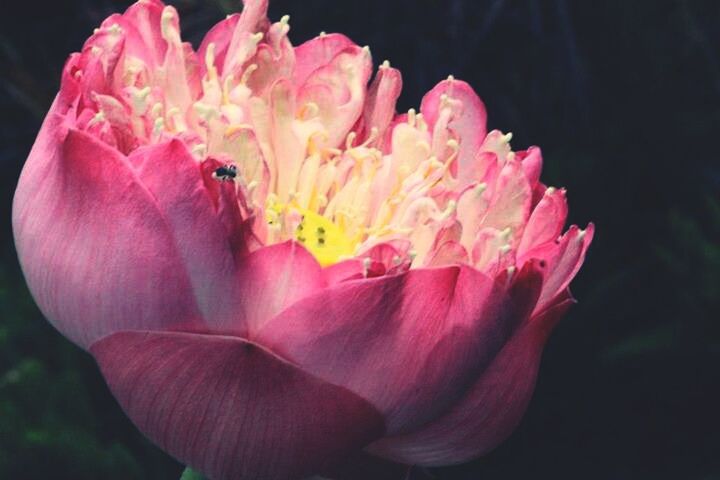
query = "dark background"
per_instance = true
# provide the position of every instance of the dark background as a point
(624, 98)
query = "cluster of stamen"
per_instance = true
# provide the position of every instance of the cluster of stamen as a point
(337, 198)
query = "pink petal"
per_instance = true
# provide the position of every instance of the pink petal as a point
(382, 97)
(409, 343)
(231, 409)
(174, 178)
(339, 90)
(97, 254)
(511, 200)
(101, 55)
(546, 221)
(272, 279)
(253, 19)
(352, 269)
(563, 263)
(490, 411)
(227, 200)
(470, 124)
(387, 258)
(532, 164)
(317, 53)
(275, 59)
(141, 24)
(448, 253)
(219, 35)
(286, 145)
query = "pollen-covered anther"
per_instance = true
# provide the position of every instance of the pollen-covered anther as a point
(449, 210)
(115, 29)
(511, 270)
(412, 117)
(167, 26)
(97, 118)
(156, 110)
(205, 111)
(506, 234)
(367, 263)
(199, 150)
(247, 73)
(210, 58)
(158, 126)
(139, 97)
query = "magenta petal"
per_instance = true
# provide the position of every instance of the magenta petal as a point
(231, 409)
(491, 409)
(273, 278)
(175, 180)
(410, 344)
(97, 254)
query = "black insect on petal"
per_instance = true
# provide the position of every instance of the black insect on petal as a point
(226, 172)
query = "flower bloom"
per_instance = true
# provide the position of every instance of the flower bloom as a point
(273, 269)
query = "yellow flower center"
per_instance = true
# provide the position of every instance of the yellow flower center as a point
(327, 241)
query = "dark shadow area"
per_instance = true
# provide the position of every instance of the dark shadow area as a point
(624, 99)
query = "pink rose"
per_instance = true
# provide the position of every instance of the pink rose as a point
(276, 272)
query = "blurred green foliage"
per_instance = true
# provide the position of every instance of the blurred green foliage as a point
(624, 98)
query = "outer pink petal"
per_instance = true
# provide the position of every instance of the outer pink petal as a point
(491, 409)
(272, 279)
(231, 409)
(235, 292)
(97, 254)
(317, 53)
(227, 202)
(174, 178)
(409, 343)
(470, 125)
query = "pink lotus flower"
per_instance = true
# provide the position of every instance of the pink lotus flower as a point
(273, 270)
